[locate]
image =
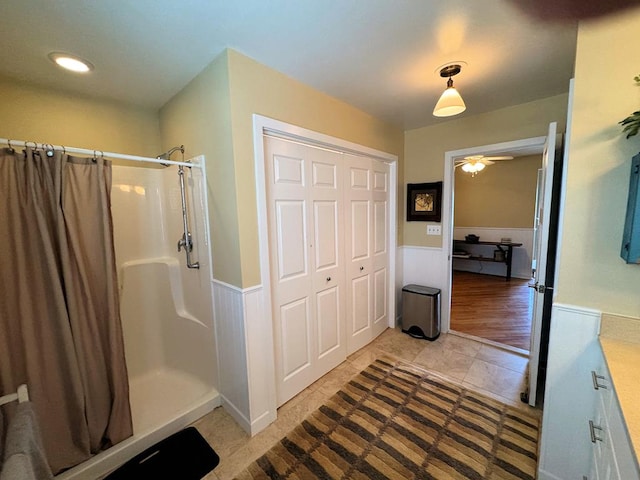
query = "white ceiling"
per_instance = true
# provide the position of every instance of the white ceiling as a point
(378, 55)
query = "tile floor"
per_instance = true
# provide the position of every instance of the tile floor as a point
(495, 372)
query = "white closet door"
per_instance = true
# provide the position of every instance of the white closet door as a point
(380, 246)
(358, 242)
(304, 188)
(328, 258)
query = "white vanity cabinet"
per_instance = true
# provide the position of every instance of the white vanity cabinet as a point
(583, 433)
(612, 453)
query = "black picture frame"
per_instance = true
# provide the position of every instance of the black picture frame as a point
(424, 202)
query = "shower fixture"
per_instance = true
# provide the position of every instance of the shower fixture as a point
(186, 241)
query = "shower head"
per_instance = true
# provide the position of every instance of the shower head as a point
(167, 155)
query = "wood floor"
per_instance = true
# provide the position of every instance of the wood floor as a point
(489, 307)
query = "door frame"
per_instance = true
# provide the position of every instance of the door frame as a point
(532, 145)
(264, 125)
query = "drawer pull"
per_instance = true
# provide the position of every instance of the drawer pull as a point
(596, 384)
(592, 432)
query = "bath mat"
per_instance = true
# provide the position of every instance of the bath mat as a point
(397, 421)
(185, 455)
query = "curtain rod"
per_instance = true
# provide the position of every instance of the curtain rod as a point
(84, 151)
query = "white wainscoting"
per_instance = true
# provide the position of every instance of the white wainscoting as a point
(426, 266)
(521, 264)
(399, 279)
(245, 353)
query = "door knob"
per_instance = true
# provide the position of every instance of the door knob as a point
(328, 279)
(361, 268)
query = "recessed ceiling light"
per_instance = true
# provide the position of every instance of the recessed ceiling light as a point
(70, 62)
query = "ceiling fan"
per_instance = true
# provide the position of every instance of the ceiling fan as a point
(476, 163)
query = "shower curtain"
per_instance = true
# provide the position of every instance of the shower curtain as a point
(60, 330)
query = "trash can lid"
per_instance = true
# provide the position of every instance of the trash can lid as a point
(420, 289)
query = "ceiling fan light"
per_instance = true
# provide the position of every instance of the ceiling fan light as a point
(473, 167)
(450, 104)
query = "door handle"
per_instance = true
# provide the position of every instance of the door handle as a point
(538, 287)
(361, 268)
(328, 279)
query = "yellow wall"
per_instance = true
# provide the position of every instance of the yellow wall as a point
(425, 147)
(256, 88)
(199, 117)
(35, 114)
(503, 195)
(592, 274)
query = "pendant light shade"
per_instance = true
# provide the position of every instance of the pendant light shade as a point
(450, 102)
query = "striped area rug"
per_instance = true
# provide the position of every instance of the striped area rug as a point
(397, 421)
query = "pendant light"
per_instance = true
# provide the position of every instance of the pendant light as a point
(450, 102)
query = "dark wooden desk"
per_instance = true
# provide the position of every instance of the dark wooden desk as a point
(506, 248)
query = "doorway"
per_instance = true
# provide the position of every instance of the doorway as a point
(495, 210)
(547, 214)
(520, 148)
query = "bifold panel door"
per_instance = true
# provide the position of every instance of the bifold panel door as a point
(366, 241)
(380, 246)
(304, 194)
(328, 216)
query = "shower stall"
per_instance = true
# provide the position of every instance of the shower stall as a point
(166, 308)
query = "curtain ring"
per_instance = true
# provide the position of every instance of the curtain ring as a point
(49, 148)
(64, 150)
(11, 150)
(35, 145)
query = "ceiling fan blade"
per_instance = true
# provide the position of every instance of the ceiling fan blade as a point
(487, 162)
(477, 158)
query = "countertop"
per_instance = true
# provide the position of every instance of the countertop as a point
(620, 341)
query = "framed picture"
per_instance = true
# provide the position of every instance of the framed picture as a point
(424, 202)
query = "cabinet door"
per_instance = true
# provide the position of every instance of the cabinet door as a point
(626, 464)
(566, 450)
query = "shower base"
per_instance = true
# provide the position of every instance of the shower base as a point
(162, 403)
